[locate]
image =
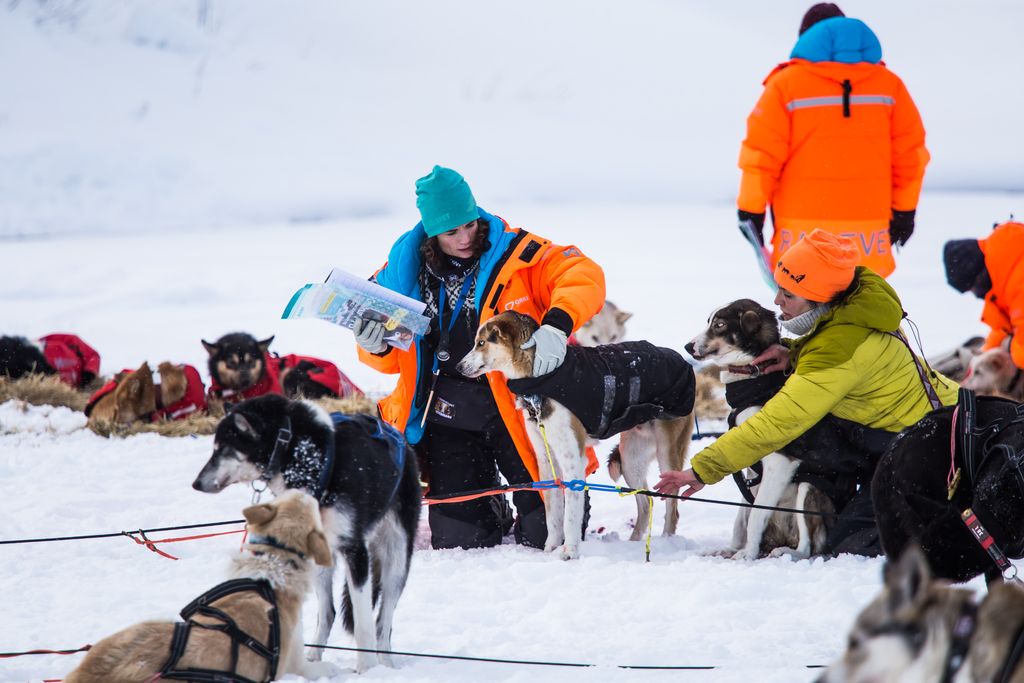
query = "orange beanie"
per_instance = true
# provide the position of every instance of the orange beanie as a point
(818, 267)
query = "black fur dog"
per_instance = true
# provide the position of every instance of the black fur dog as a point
(240, 367)
(20, 357)
(911, 494)
(365, 477)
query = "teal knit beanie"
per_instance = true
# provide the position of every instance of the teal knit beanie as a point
(444, 200)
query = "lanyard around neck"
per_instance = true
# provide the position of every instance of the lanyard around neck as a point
(442, 353)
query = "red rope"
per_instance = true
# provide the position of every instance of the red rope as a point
(7, 655)
(152, 544)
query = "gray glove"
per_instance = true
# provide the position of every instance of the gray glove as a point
(370, 335)
(550, 342)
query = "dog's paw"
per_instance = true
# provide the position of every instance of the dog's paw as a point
(569, 552)
(317, 670)
(725, 553)
(744, 555)
(791, 553)
(314, 654)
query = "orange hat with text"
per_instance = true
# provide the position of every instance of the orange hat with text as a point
(818, 267)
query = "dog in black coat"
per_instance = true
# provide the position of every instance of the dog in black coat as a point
(240, 367)
(366, 480)
(911, 493)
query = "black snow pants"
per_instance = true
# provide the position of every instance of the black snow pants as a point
(457, 460)
(839, 457)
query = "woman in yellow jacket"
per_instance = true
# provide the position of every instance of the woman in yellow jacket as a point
(467, 266)
(853, 383)
(835, 143)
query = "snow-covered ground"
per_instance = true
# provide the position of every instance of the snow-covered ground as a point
(172, 171)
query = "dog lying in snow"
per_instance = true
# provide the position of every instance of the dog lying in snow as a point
(285, 538)
(134, 395)
(610, 389)
(919, 630)
(737, 334)
(993, 373)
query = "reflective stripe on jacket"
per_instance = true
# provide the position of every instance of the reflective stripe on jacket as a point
(848, 366)
(833, 144)
(519, 272)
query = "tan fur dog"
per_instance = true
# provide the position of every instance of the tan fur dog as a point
(497, 348)
(608, 326)
(135, 396)
(285, 538)
(993, 373)
(918, 631)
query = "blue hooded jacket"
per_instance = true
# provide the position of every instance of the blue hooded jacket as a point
(839, 39)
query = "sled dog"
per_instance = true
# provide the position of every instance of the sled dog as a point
(736, 334)
(365, 477)
(993, 373)
(240, 367)
(608, 326)
(662, 388)
(285, 538)
(20, 357)
(920, 630)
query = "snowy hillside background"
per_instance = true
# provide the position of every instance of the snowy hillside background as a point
(172, 171)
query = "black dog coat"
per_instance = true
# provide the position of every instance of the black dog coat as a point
(616, 387)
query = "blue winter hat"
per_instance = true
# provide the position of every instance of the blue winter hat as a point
(444, 200)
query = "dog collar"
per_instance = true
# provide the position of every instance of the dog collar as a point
(255, 539)
(960, 640)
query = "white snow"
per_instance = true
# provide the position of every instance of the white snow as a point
(173, 171)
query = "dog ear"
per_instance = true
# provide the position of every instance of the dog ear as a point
(749, 322)
(211, 349)
(907, 579)
(244, 425)
(621, 317)
(316, 545)
(265, 344)
(259, 514)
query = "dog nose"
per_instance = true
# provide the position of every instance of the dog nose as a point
(691, 349)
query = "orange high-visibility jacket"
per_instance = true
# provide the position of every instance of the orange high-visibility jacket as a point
(839, 157)
(1004, 304)
(532, 276)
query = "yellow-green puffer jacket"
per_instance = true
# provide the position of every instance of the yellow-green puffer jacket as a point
(847, 365)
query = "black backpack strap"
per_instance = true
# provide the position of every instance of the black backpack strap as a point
(967, 434)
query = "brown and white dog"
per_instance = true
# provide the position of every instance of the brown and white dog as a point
(134, 395)
(497, 348)
(993, 373)
(919, 630)
(663, 441)
(737, 334)
(285, 538)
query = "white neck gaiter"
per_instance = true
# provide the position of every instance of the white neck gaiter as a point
(803, 323)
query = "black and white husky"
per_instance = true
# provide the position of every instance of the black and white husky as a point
(365, 477)
(737, 334)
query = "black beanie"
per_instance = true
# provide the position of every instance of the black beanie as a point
(823, 10)
(964, 262)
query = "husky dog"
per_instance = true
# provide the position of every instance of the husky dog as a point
(285, 538)
(130, 396)
(240, 367)
(637, 382)
(736, 334)
(20, 357)
(993, 373)
(608, 326)
(366, 479)
(663, 441)
(954, 363)
(918, 631)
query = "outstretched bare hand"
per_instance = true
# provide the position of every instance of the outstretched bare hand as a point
(673, 480)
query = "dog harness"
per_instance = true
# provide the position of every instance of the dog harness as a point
(616, 387)
(270, 651)
(374, 427)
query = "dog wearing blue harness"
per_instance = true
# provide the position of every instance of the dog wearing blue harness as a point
(365, 478)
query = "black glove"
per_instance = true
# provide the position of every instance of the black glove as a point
(756, 221)
(901, 227)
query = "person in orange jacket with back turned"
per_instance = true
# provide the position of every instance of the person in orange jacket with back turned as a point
(992, 268)
(467, 266)
(835, 143)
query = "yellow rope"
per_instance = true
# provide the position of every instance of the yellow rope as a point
(650, 519)
(547, 450)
